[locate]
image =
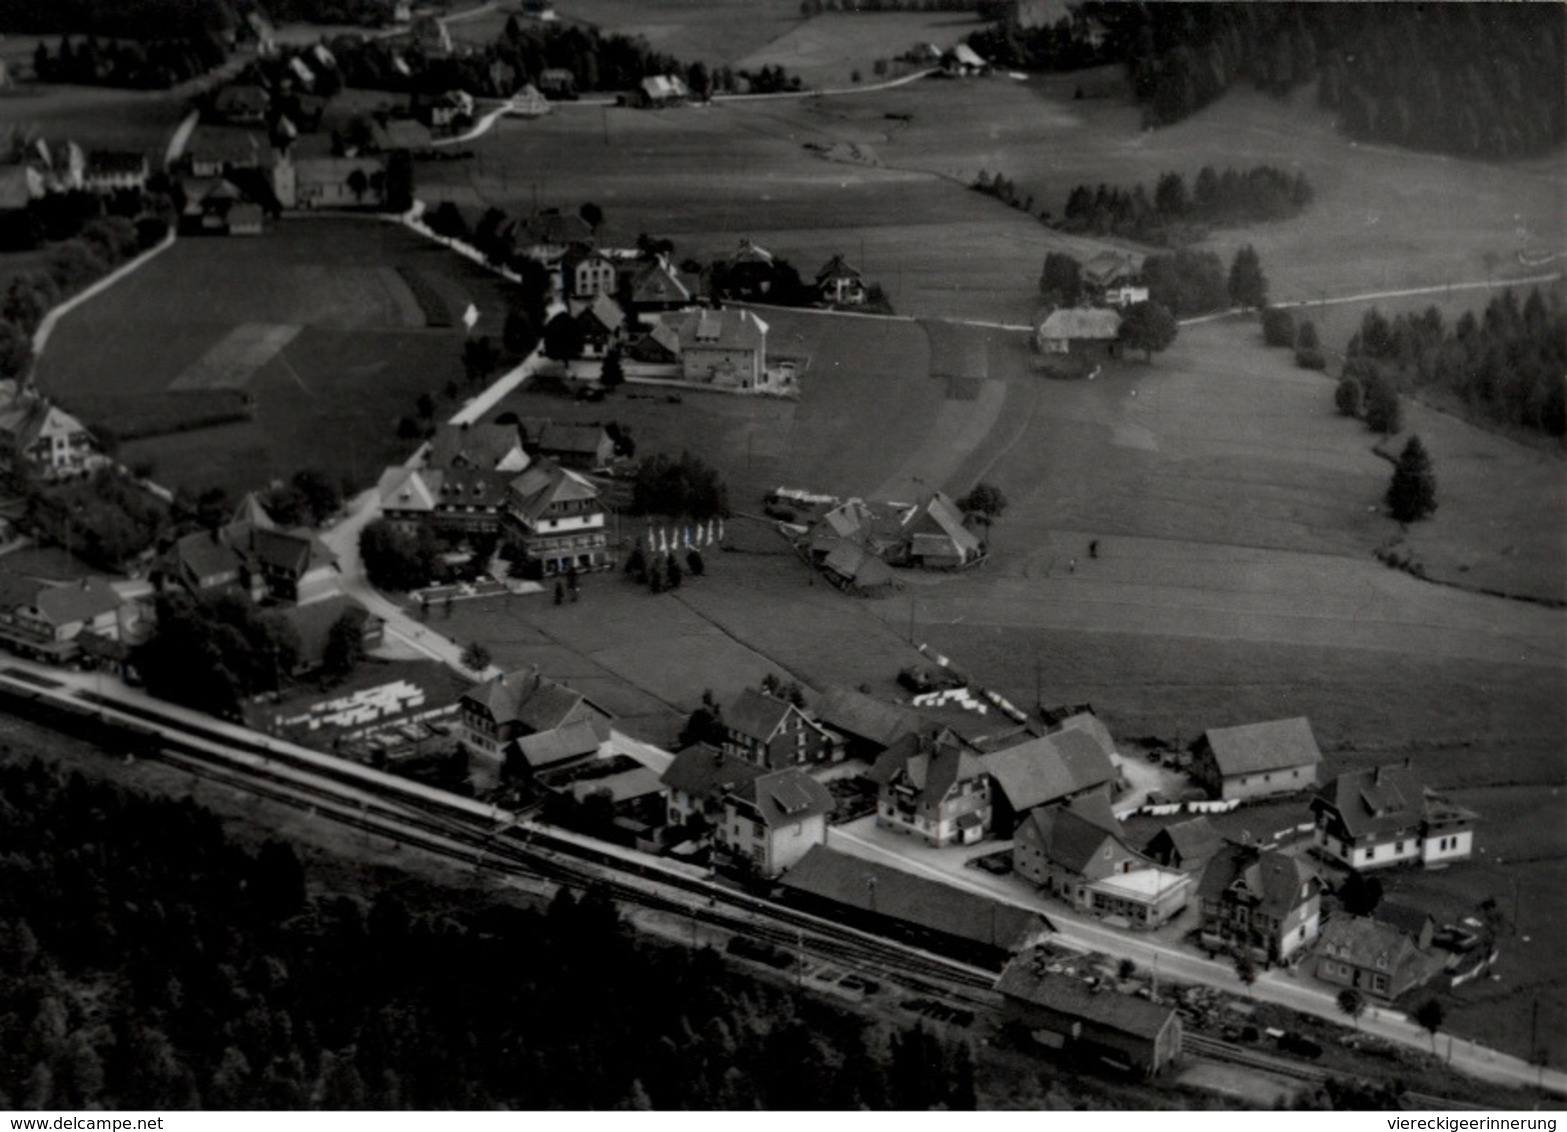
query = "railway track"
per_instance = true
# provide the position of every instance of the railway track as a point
(1211, 1049)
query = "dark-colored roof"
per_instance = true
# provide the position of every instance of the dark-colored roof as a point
(756, 714)
(1027, 979)
(859, 566)
(886, 891)
(702, 771)
(1085, 721)
(565, 437)
(656, 283)
(1070, 835)
(284, 550)
(115, 162)
(940, 515)
(546, 748)
(1378, 800)
(1194, 839)
(76, 601)
(1256, 747)
(1050, 767)
(1405, 918)
(472, 445)
(203, 555)
(1369, 942)
(546, 482)
(1276, 881)
(864, 717)
(526, 697)
(785, 797)
(836, 268)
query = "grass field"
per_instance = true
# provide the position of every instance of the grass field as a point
(314, 322)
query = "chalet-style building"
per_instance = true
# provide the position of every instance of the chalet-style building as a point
(935, 536)
(557, 518)
(774, 733)
(524, 721)
(1075, 851)
(1085, 333)
(108, 172)
(839, 283)
(1371, 819)
(698, 779)
(45, 621)
(1257, 760)
(584, 447)
(1115, 279)
(1089, 1023)
(934, 787)
(1259, 901)
(256, 557)
(602, 322)
(41, 440)
(1051, 768)
(771, 821)
(1369, 955)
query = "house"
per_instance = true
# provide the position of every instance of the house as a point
(586, 273)
(556, 516)
(854, 569)
(699, 778)
(550, 235)
(1371, 819)
(528, 103)
(658, 91)
(468, 500)
(773, 820)
(654, 286)
(774, 733)
(1260, 902)
(115, 171)
(1050, 768)
(213, 152)
(869, 726)
(61, 166)
(202, 562)
(1418, 924)
(558, 84)
(935, 536)
(839, 283)
(242, 104)
(331, 182)
(208, 202)
(1090, 1023)
(927, 913)
(726, 347)
(1075, 851)
(1084, 333)
(314, 623)
(1185, 845)
(407, 496)
(1256, 760)
(963, 60)
(524, 720)
(42, 440)
(480, 447)
(1377, 958)
(935, 787)
(1114, 278)
(877, 527)
(253, 554)
(601, 321)
(584, 447)
(44, 620)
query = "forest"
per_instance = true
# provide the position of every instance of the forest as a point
(1506, 366)
(148, 961)
(1479, 80)
(1171, 214)
(134, 19)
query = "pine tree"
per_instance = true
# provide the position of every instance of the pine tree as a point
(1411, 496)
(1248, 285)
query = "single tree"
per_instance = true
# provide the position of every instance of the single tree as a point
(1062, 279)
(694, 564)
(592, 215)
(1278, 327)
(1245, 970)
(612, 374)
(1148, 327)
(985, 501)
(1411, 495)
(563, 339)
(1353, 1004)
(1360, 895)
(475, 657)
(520, 333)
(1383, 411)
(1430, 1015)
(1347, 398)
(1248, 286)
(345, 647)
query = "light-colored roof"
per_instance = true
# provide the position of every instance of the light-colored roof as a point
(1055, 766)
(1105, 267)
(572, 740)
(653, 758)
(968, 56)
(658, 283)
(1194, 839)
(727, 329)
(638, 782)
(836, 268)
(17, 186)
(940, 516)
(408, 489)
(546, 482)
(527, 697)
(1081, 322)
(605, 310)
(1143, 884)
(1256, 747)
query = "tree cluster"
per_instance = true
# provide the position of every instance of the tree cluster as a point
(1065, 45)
(150, 63)
(1395, 73)
(211, 653)
(105, 520)
(687, 488)
(1505, 366)
(396, 559)
(133, 19)
(757, 281)
(1173, 215)
(147, 962)
(1187, 282)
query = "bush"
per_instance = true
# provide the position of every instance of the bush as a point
(1278, 327)
(1309, 357)
(1347, 398)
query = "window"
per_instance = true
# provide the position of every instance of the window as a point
(1398, 846)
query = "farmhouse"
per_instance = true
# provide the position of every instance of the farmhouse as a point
(931, 914)
(869, 726)
(963, 60)
(581, 446)
(39, 439)
(330, 182)
(549, 235)
(772, 820)
(1365, 954)
(556, 517)
(1115, 279)
(935, 536)
(113, 171)
(1186, 845)
(935, 787)
(528, 103)
(1084, 333)
(1370, 819)
(1074, 851)
(44, 621)
(481, 447)
(524, 720)
(699, 777)
(1256, 760)
(1051, 768)
(854, 569)
(839, 283)
(1259, 902)
(659, 91)
(601, 321)
(726, 348)
(1090, 1023)
(774, 733)
(656, 287)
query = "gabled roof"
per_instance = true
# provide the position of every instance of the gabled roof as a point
(1070, 834)
(940, 515)
(285, 550)
(546, 482)
(1081, 322)
(1276, 882)
(857, 565)
(527, 697)
(1194, 839)
(204, 555)
(757, 715)
(76, 601)
(481, 446)
(572, 740)
(1088, 722)
(836, 268)
(408, 489)
(638, 782)
(1369, 942)
(658, 283)
(605, 311)
(702, 771)
(1049, 768)
(727, 329)
(1027, 979)
(565, 437)
(470, 487)
(1377, 800)
(1104, 268)
(865, 717)
(968, 56)
(750, 253)
(115, 162)
(886, 891)
(1257, 747)
(785, 797)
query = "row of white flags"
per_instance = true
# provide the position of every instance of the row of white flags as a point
(662, 540)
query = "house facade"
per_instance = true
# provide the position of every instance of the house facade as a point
(1261, 903)
(840, 283)
(1385, 816)
(112, 172)
(726, 348)
(773, 820)
(1257, 760)
(1090, 333)
(44, 621)
(1376, 958)
(774, 733)
(698, 779)
(555, 516)
(39, 439)
(935, 789)
(526, 721)
(935, 536)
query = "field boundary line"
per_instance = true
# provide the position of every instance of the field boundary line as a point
(47, 324)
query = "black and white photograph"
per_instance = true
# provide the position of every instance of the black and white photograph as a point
(715, 556)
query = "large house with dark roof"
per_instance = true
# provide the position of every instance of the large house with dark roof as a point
(557, 519)
(46, 621)
(1186, 845)
(935, 787)
(252, 554)
(1371, 819)
(1256, 760)
(526, 721)
(699, 778)
(868, 725)
(583, 447)
(936, 537)
(771, 821)
(725, 348)
(1366, 954)
(774, 733)
(482, 447)
(1260, 902)
(1089, 1023)
(1051, 768)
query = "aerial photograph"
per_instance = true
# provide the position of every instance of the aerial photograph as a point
(775, 555)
